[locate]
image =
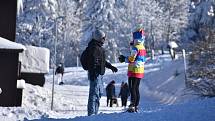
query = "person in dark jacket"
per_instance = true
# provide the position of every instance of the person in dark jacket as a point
(59, 72)
(110, 92)
(97, 65)
(124, 93)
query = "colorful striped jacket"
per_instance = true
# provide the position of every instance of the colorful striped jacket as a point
(136, 61)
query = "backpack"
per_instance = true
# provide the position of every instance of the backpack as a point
(84, 59)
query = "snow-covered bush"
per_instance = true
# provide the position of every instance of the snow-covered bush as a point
(202, 64)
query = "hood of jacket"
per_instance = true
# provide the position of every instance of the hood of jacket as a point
(94, 42)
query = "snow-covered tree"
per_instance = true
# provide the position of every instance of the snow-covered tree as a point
(71, 23)
(99, 14)
(176, 18)
(119, 18)
(201, 16)
(43, 22)
(152, 17)
(35, 25)
(69, 32)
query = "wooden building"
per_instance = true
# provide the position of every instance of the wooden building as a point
(9, 72)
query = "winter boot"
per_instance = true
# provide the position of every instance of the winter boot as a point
(131, 109)
(136, 109)
(61, 83)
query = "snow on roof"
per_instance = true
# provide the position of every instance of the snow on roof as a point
(6, 44)
(35, 60)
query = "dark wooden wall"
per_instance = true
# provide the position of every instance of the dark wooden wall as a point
(8, 10)
(33, 78)
(8, 79)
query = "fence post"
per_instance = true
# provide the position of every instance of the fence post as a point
(77, 64)
(153, 55)
(185, 64)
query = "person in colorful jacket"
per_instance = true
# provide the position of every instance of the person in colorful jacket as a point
(136, 62)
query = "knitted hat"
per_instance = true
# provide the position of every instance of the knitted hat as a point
(138, 27)
(139, 36)
(98, 35)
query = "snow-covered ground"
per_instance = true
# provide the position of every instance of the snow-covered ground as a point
(164, 97)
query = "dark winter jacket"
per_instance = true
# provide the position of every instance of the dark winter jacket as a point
(110, 90)
(124, 91)
(59, 70)
(97, 61)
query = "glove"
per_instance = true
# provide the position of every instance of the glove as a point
(114, 69)
(121, 58)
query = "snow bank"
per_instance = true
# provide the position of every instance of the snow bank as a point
(169, 83)
(35, 60)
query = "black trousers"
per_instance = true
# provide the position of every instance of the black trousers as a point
(111, 100)
(172, 54)
(124, 101)
(134, 90)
